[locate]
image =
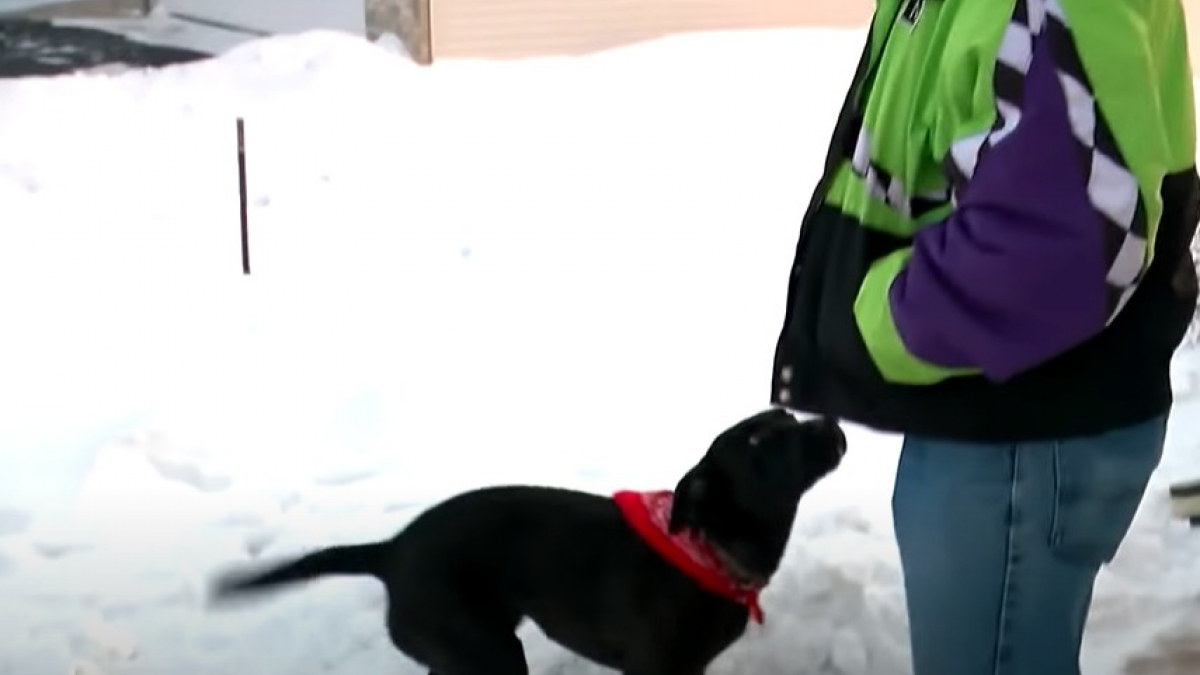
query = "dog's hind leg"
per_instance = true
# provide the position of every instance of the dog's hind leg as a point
(659, 663)
(456, 643)
(690, 670)
(494, 655)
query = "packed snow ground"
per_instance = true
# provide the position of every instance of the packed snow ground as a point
(561, 271)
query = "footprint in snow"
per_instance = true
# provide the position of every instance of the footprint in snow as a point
(86, 667)
(256, 542)
(14, 521)
(240, 519)
(345, 477)
(849, 654)
(56, 550)
(189, 472)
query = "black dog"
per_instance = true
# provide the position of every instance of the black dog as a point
(633, 582)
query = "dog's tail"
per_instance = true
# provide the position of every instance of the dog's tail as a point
(352, 560)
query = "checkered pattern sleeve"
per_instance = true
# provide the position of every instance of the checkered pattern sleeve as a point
(1051, 230)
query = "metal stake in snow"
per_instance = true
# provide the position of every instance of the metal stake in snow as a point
(241, 152)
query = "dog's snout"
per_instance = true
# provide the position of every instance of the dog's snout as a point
(839, 437)
(831, 426)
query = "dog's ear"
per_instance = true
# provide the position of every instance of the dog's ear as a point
(689, 494)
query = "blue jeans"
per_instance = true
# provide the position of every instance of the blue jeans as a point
(1000, 544)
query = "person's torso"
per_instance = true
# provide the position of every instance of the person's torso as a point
(930, 85)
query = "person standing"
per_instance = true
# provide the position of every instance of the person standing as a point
(995, 264)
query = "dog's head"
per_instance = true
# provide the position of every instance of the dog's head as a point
(743, 494)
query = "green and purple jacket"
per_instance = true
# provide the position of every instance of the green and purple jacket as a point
(998, 248)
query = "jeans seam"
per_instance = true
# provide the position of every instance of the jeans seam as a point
(1000, 656)
(1056, 495)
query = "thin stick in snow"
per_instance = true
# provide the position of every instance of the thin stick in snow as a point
(241, 152)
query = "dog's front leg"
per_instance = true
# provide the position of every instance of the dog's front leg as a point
(665, 671)
(659, 664)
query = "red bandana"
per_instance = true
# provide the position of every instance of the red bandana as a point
(648, 514)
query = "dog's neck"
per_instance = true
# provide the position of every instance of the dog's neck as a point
(703, 561)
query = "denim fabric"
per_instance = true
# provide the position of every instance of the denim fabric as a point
(1000, 545)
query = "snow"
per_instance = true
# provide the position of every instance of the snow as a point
(559, 271)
